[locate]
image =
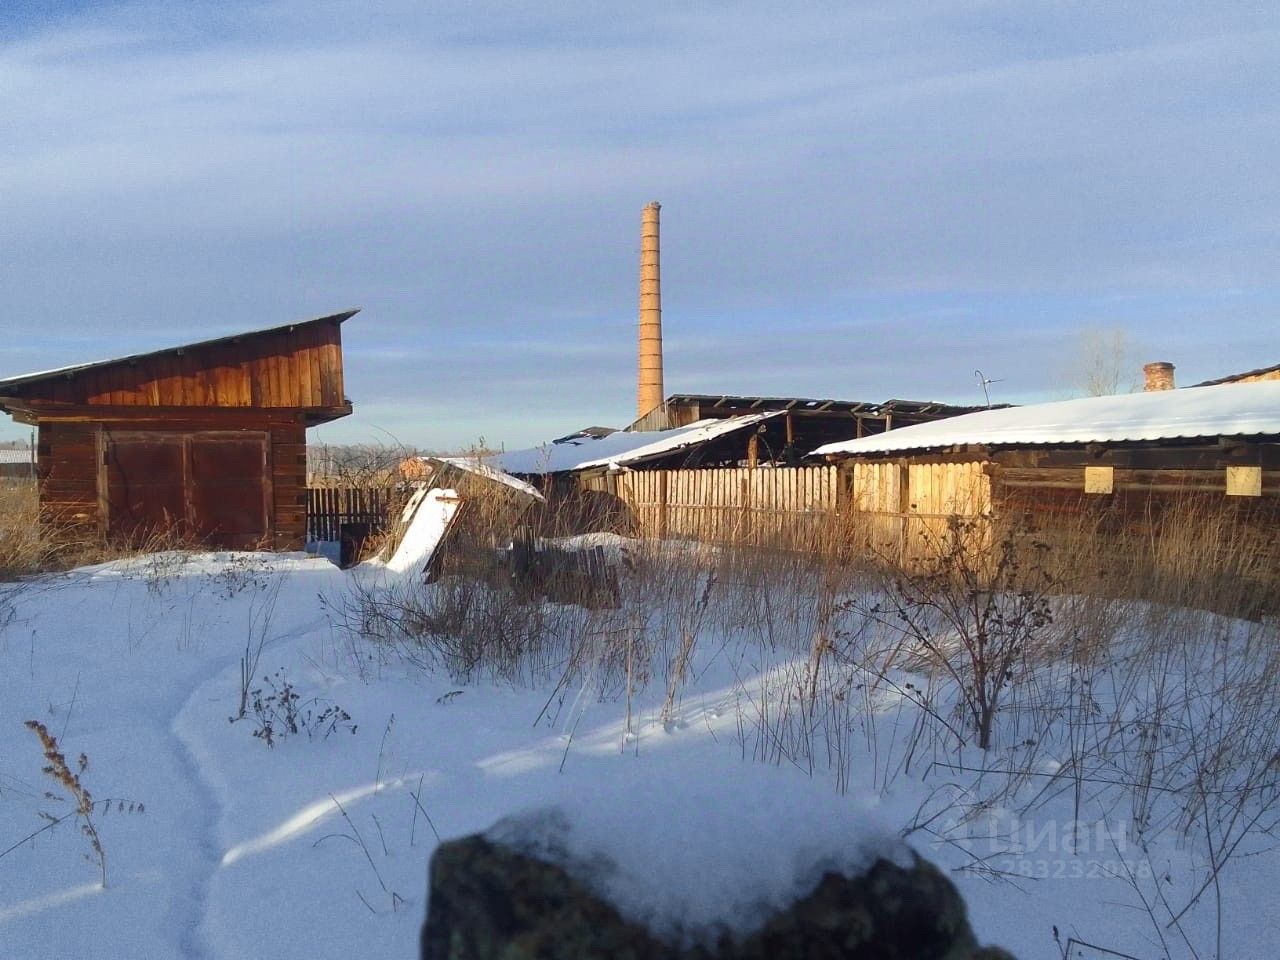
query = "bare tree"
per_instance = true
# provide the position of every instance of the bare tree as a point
(1104, 363)
(356, 465)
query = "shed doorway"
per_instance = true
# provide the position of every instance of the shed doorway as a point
(210, 487)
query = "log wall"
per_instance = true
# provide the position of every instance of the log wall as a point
(67, 457)
(72, 492)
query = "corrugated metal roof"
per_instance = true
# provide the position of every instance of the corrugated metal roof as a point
(230, 338)
(619, 449)
(1230, 410)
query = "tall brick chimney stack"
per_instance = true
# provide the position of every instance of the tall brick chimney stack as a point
(650, 392)
(1158, 376)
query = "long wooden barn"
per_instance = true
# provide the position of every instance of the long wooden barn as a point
(1121, 462)
(206, 441)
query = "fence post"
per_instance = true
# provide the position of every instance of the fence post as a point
(904, 508)
(662, 504)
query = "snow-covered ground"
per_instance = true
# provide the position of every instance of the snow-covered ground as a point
(317, 846)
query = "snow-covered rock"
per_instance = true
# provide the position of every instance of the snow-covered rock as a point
(527, 888)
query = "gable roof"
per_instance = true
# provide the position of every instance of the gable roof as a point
(1229, 410)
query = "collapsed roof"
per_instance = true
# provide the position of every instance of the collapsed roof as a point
(581, 452)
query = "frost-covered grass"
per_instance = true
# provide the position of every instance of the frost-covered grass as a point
(735, 719)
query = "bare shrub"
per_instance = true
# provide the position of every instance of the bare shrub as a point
(279, 711)
(973, 607)
(357, 465)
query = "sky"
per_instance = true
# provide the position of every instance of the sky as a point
(859, 200)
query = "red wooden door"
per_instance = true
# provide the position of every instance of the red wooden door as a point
(146, 486)
(209, 487)
(228, 474)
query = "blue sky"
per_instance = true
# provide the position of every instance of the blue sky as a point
(860, 200)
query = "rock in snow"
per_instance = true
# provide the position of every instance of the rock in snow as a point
(541, 898)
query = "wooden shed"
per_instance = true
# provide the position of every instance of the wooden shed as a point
(207, 440)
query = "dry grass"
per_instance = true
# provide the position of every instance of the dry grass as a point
(30, 547)
(26, 545)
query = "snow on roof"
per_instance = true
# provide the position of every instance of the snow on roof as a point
(1236, 409)
(619, 449)
(472, 465)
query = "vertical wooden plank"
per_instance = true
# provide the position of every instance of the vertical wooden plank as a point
(275, 377)
(122, 383)
(152, 386)
(315, 397)
(244, 379)
(336, 360)
(904, 509)
(285, 367)
(253, 377)
(661, 494)
(675, 492)
(164, 393)
(302, 361)
(717, 500)
(690, 516)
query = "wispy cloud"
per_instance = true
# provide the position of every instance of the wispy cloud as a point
(471, 174)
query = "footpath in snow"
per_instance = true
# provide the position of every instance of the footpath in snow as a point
(317, 846)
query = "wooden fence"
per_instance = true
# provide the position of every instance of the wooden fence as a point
(905, 509)
(893, 508)
(330, 508)
(728, 505)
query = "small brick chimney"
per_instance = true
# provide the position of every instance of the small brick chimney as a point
(1158, 376)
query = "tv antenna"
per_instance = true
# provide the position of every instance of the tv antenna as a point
(983, 380)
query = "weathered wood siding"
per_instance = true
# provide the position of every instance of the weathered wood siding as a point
(782, 505)
(209, 438)
(901, 507)
(884, 507)
(1177, 514)
(330, 508)
(298, 369)
(289, 485)
(74, 491)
